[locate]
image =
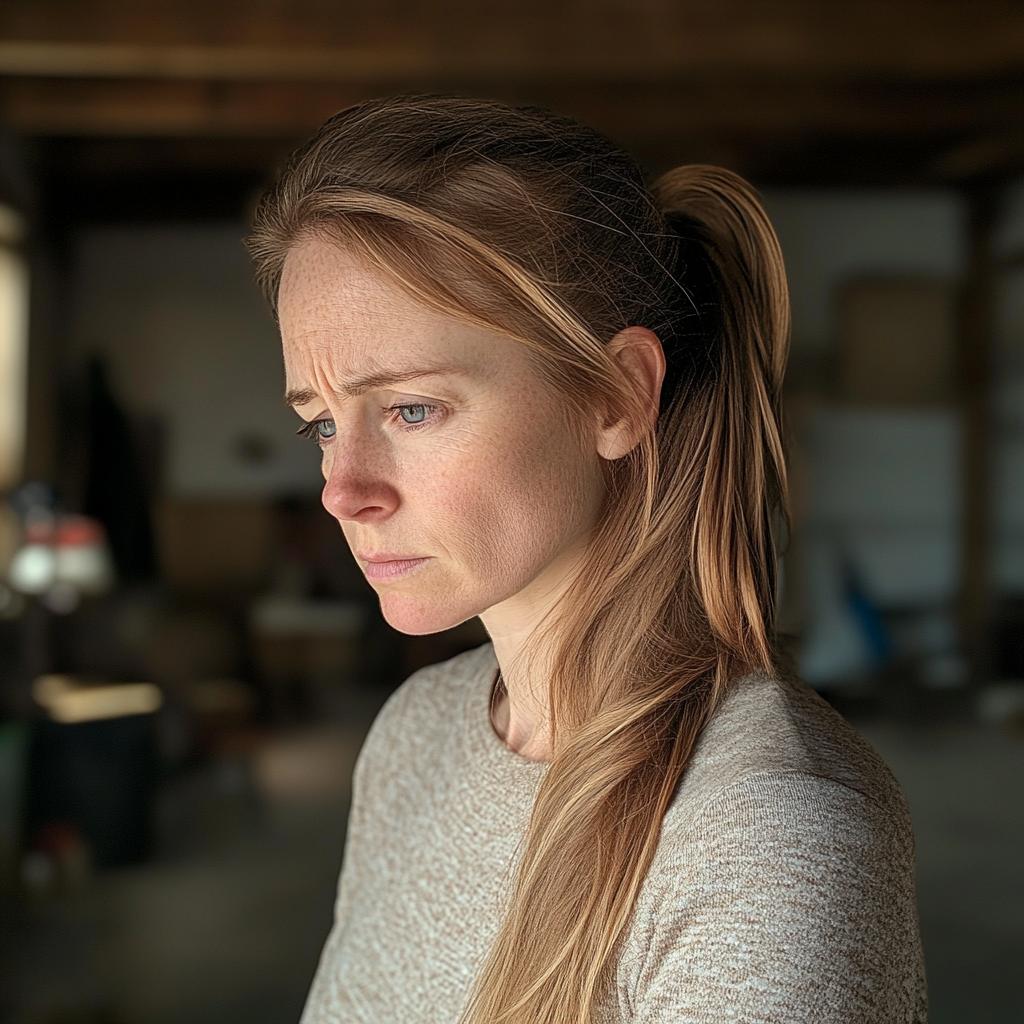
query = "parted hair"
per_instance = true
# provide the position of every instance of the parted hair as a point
(533, 225)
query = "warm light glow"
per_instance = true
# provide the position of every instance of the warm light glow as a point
(13, 348)
(69, 701)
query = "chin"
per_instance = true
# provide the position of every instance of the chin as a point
(417, 617)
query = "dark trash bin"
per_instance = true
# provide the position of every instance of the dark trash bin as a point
(101, 776)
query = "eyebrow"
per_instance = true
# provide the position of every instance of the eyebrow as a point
(371, 382)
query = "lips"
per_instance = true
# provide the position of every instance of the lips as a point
(385, 568)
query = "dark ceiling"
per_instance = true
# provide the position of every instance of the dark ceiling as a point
(169, 109)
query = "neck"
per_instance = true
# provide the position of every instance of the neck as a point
(521, 714)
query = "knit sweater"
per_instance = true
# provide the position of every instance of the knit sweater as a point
(782, 888)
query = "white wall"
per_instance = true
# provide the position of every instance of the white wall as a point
(886, 487)
(829, 236)
(860, 460)
(187, 336)
(882, 506)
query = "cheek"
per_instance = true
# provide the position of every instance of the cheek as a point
(497, 509)
(515, 508)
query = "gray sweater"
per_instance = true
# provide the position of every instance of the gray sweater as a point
(782, 889)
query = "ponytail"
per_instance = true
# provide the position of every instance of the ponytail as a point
(720, 215)
(646, 653)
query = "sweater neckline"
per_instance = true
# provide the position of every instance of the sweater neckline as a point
(485, 743)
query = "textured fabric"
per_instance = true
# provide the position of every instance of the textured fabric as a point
(782, 889)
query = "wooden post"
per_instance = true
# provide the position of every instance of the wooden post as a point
(975, 361)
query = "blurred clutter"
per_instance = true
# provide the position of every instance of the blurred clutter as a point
(189, 655)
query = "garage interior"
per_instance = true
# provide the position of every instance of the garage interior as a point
(142, 391)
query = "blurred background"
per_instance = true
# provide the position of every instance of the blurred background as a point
(189, 658)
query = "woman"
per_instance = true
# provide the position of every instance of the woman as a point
(549, 396)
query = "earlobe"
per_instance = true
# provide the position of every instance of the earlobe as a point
(639, 353)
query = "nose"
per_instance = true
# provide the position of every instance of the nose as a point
(357, 490)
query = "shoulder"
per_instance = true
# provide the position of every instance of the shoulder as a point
(778, 781)
(786, 863)
(770, 729)
(792, 898)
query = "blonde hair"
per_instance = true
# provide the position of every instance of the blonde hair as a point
(533, 225)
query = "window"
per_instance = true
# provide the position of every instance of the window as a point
(13, 347)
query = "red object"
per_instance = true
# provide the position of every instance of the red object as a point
(59, 839)
(77, 531)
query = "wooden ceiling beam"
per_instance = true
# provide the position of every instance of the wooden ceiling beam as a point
(919, 42)
(938, 83)
(747, 107)
(212, 63)
(179, 109)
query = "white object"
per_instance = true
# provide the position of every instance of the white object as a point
(13, 348)
(68, 702)
(86, 567)
(33, 569)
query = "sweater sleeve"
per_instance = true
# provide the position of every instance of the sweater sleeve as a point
(357, 859)
(789, 899)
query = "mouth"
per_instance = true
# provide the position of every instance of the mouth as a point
(386, 568)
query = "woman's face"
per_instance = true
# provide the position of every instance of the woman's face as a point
(453, 469)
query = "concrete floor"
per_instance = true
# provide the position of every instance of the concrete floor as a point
(226, 926)
(965, 785)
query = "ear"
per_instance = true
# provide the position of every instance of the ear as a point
(639, 353)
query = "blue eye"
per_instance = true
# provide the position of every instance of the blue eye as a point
(318, 430)
(412, 413)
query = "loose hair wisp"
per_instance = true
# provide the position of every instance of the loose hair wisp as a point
(533, 225)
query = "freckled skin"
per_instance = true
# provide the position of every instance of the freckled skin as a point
(497, 491)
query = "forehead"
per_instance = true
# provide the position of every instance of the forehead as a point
(344, 323)
(328, 294)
